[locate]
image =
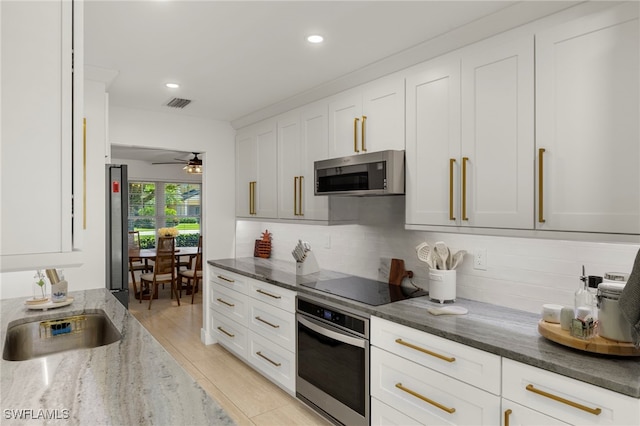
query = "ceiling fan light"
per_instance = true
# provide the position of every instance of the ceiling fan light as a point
(193, 169)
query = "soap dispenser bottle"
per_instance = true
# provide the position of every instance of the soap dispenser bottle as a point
(582, 299)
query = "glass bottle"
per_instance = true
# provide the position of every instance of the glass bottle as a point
(582, 298)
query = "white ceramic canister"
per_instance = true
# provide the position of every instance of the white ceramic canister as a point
(612, 324)
(442, 285)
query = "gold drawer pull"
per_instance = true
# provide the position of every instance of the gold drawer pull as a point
(277, 364)
(268, 323)
(464, 188)
(226, 332)
(269, 294)
(507, 413)
(426, 351)
(452, 162)
(364, 121)
(225, 302)
(222, 277)
(355, 134)
(594, 411)
(425, 399)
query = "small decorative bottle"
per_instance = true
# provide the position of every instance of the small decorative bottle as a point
(39, 290)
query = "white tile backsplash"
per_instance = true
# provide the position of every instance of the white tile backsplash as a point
(523, 273)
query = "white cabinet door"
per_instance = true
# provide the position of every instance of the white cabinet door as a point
(368, 118)
(246, 158)
(383, 415)
(315, 146)
(256, 173)
(383, 111)
(566, 399)
(497, 134)
(433, 142)
(345, 115)
(37, 127)
(289, 167)
(517, 415)
(587, 110)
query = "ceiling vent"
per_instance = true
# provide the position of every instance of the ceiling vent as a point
(178, 103)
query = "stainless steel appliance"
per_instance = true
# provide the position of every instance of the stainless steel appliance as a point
(333, 361)
(117, 257)
(373, 173)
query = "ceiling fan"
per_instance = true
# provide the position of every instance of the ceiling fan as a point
(193, 165)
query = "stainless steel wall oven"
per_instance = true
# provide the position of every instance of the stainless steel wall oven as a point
(333, 361)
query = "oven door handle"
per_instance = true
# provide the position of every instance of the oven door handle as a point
(336, 335)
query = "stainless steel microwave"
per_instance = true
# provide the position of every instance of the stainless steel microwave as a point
(373, 173)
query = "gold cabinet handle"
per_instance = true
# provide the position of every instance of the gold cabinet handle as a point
(277, 364)
(594, 411)
(364, 119)
(452, 162)
(426, 351)
(355, 134)
(268, 323)
(300, 182)
(295, 196)
(226, 332)
(225, 302)
(425, 399)
(84, 173)
(541, 185)
(252, 197)
(464, 188)
(269, 294)
(507, 413)
(222, 277)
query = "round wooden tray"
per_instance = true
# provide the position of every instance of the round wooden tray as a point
(597, 344)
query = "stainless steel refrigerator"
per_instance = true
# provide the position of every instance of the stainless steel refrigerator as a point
(117, 238)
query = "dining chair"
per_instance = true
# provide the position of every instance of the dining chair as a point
(193, 275)
(164, 270)
(136, 263)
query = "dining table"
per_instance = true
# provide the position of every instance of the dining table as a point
(150, 254)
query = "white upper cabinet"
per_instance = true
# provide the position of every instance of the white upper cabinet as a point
(315, 146)
(497, 134)
(588, 144)
(256, 180)
(290, 171)
(368, 118)
(41, 114)
(470, 137)
(433, 142)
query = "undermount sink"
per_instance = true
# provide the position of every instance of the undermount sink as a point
(59, 334)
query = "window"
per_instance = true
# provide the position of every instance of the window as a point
(154, 205)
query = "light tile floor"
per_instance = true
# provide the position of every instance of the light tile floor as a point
(247, 396)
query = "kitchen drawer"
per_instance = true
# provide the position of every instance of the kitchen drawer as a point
(229, 334)
(520, 382)
(273, 361)
(428, 396)
(473, 366)
(230, 303)
(273, 295)
(229, 279)
(518, 415)
(383, 415)
(273, 323)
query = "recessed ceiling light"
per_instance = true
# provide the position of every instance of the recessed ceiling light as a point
(172, 85)
(315, 38)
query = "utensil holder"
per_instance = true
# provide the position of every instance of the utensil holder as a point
(442, 285)
(308, 266)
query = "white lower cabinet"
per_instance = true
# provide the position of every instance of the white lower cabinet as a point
(230, 334)
(272, 360)
(566, 399)
(383, 415)
(256, 321)
(518, 415)
(429, 396)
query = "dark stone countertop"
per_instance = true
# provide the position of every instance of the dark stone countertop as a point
(502, 331)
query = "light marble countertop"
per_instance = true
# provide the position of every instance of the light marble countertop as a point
(506, 332)
(134, 381)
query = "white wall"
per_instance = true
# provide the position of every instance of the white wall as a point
(522, 273)
(215, 139)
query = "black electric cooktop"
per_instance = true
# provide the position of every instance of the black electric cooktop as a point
(364, 290)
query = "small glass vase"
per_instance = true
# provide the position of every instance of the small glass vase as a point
(39, 287)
